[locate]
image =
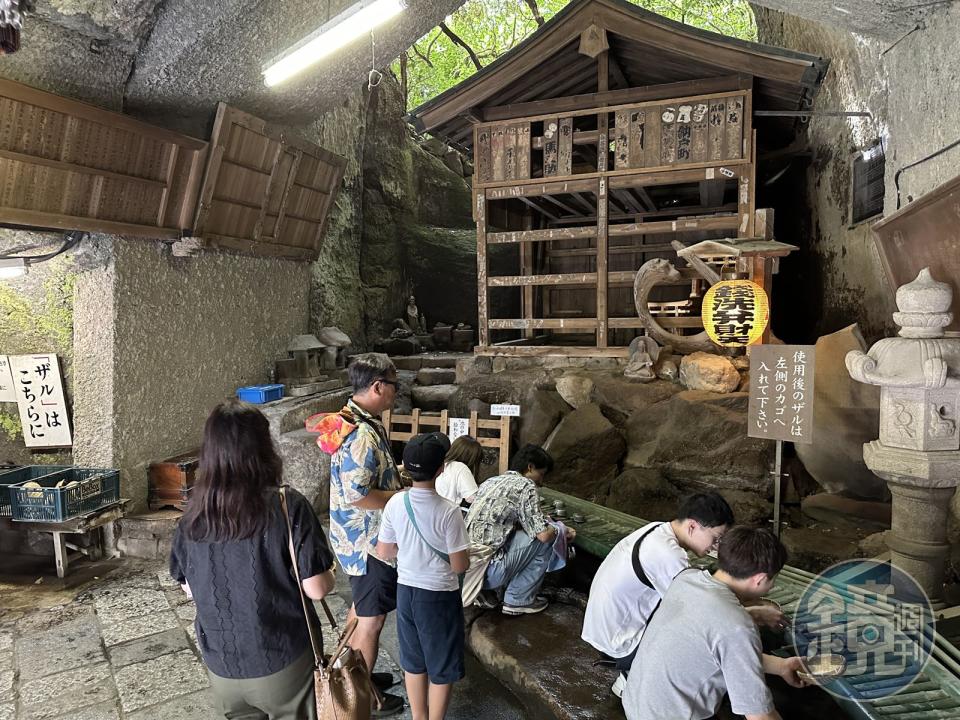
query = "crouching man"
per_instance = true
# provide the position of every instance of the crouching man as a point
(702, 644)
(516, 541)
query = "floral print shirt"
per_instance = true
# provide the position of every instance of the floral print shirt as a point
(361, 464)
(502, 504)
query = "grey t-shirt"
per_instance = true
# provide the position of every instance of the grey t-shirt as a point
(700, 644)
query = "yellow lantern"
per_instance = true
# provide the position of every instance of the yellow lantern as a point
(735, 313)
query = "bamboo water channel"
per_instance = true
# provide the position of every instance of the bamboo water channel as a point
(933, 695)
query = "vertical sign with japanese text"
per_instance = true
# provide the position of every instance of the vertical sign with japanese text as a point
(43, 410)
(781, 393)
(458, 427)
(7, 391)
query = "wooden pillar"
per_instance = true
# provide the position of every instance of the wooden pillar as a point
(526, 268)
(482, 289)
(504, 444)
(603, 147)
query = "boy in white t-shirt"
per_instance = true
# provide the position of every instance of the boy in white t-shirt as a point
(634, 577)
(428, 537)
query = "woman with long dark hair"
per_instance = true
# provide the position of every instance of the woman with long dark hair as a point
(230, 553)
(461, 468)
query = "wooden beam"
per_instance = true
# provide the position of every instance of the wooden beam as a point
(625, 96)
(690, 321)
(559, 279)
(37, 220)
(557, 350)
(539, 187)
(538, 208)
(661, 176)
(525, 236)
(543, 323)
(580, 137)
(689, 224)
(612, 250)
(81, 169)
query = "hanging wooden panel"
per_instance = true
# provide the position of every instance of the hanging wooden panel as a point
(68, 165)
(264, 192)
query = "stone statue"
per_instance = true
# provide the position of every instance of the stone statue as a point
(415, 320)
(644, 352)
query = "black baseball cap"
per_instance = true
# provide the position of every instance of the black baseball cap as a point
(424, 455)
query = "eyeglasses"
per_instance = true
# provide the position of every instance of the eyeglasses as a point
(395, 383)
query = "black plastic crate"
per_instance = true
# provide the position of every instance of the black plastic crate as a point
(93, 489)
(14, 475)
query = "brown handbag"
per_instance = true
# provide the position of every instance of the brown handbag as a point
(342, 680)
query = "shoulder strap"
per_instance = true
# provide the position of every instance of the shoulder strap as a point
(637, 566)
(406, 503)
(316, 645)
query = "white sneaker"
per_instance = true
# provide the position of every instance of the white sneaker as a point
(618, 685)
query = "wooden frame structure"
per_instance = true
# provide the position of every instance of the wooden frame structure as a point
(598, 142)
(489, 433)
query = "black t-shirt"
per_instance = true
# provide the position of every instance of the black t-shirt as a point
(249, 615)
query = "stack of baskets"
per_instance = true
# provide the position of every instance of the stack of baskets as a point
(53, 493)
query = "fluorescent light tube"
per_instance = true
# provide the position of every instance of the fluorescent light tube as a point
(337, 33)
(12, 267)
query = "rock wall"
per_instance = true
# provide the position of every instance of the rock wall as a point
(402, 225)
(910, 89)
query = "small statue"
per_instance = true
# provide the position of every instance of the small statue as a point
(644, 353)
(415, 321)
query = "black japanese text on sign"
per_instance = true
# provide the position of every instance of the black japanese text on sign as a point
(43, 411)
(781, 393)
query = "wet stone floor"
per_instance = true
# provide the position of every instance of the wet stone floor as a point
(124, 647)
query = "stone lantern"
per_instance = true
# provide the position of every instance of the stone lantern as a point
(918, 452)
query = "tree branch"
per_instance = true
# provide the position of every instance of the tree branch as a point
(416, 51)
(532, 4)
(403, 77)
(459, 41)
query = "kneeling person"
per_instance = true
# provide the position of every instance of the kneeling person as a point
(634, 577)
(703, 644)
(427, 535)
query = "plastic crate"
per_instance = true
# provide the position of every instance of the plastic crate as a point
(48, 503)
(260, 393)
(12, 476)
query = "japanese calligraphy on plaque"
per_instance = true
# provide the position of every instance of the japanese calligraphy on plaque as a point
(781, 393)
(7, 391)
(43, 410)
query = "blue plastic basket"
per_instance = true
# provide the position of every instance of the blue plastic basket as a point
(19, 475)
(93, 490)
(260, 393)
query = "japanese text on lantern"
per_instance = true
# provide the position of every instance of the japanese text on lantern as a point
(781, 393)
(43, 409)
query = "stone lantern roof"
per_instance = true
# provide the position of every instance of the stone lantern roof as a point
(921, 356)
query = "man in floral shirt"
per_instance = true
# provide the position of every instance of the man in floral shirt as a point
(363, 476)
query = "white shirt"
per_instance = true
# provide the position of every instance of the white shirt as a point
(441, 523)
(620, 604)
(456, 482)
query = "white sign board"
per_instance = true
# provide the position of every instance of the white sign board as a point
(501, 410)
(7, 392)
(781, 393)
(43, 409)
(458, 428)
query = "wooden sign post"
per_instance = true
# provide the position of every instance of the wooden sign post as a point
(781, 402)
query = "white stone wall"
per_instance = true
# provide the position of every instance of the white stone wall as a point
(911, 92)
(163, 339)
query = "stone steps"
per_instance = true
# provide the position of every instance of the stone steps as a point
(147, 536)
(542, 659)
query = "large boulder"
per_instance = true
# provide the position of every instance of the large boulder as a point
(577, 390)
(306, 468)
(544, 411)
(513, 387)
(586, 450)
(708, 372)
(433, 397)
(846, 414)
(619, 398)
(700, 439)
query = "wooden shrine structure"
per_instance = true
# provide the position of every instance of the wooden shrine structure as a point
(605, 136)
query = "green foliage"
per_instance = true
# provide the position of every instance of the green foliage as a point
(31, 326)
(493, 27)
(10, 424)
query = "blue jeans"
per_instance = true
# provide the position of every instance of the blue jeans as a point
(520, 569)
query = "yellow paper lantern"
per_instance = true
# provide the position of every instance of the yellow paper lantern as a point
(735, 313)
